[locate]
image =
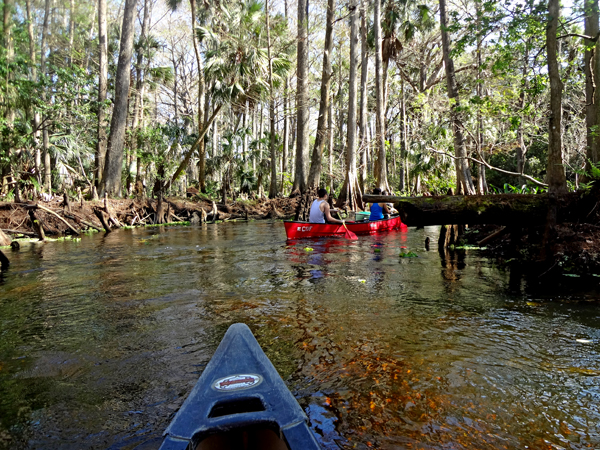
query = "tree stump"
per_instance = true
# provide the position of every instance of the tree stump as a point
(160, 211)
(66, 202)
(103, 217)
(37, 225)
(214, 212)
(4, 262)
(4, 239)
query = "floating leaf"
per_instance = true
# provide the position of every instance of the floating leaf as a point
(409, 255)
(572, 275)
(308, 249)
(362, 281)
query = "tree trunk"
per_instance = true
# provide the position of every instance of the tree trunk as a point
(102, 88)
(273, 185)
(364, 80)
(464, 182)
(71, 29)
(202, 120)
(139, 89)
(521, 149)
(592, 83)
(481, 183)
(6, 141)
(111, 183)
(330, 146)
(302, 150)
(351, 190)
(314, 176)
(45, 137)
(36, 114)
(555, 173)
(403, 141)
(381, 172)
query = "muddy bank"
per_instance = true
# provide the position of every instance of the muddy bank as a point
(57, 217)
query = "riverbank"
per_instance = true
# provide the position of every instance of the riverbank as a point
(57, 217)
(573, 251)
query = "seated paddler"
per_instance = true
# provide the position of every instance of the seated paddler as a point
(320, 211)
(378, 209)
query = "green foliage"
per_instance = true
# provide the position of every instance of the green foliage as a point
(409, 254)
(523, 189)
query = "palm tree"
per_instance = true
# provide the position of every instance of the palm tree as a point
(236, 65)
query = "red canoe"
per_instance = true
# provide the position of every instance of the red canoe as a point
(300, 230)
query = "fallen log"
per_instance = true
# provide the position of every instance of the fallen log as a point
(503, 209)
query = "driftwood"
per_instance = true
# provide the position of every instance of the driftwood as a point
(43, 208)
(504, 209)
(103, 217)
(492, 237)
(108, 212)
(24, 233)
(78, 219)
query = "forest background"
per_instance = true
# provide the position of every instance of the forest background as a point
(247, 98)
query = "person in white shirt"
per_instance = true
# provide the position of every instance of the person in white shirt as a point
(320, 211)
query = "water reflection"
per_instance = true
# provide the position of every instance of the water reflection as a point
(102, 340)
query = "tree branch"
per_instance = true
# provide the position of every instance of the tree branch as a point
(496, 169)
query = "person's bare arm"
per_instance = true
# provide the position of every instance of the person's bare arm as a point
(385, 208)
(327, 212)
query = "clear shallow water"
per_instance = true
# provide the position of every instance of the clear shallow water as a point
(101, 340)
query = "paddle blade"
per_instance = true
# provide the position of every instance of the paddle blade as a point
(349, 234)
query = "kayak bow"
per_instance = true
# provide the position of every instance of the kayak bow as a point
(239, 402)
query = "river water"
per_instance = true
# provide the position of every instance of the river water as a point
(102, 339)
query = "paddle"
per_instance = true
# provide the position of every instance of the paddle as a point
(349, 234)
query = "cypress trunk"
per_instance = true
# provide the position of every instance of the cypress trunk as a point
(113, 168)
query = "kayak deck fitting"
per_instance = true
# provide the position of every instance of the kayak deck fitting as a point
(240, 402)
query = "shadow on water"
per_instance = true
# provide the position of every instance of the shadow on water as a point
(103, 339)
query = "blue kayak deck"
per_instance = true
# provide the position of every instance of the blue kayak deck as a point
(240, 389)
